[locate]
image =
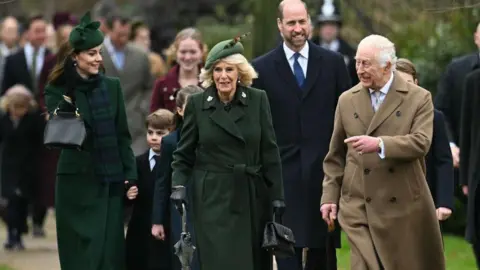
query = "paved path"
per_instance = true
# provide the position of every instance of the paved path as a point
(40, 253)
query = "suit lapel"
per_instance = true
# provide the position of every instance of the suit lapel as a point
(393, 99)
(227, 121)
(109, 65)
(285, 71)
(24, 65)
(313, 68)
(363, 106)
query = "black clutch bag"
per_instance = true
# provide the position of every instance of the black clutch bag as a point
(278, 240)
(65, 130)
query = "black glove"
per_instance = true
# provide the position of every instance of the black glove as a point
(178, 197)
(278, 209)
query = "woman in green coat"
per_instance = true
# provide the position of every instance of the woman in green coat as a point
(229, 152)
(91, 183)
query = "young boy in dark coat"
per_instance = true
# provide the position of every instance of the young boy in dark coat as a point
(143, 251)
(21, 132)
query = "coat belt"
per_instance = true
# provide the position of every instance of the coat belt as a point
(242, 175)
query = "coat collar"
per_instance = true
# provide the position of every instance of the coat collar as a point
(219, 115)
(362, 103)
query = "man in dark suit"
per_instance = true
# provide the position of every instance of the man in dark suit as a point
(24, 66)
(470, 157)
(449, 96)
(303, 82)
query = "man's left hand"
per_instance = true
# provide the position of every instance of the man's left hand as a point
(364, 144)
(443, 213)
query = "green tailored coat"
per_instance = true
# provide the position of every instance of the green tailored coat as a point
(229, 152)
(89, 213)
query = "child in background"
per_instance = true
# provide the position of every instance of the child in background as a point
(21, 133)
(143, 251)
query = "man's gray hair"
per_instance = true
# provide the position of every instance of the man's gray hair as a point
(386, 49)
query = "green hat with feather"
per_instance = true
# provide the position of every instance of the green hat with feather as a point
(224, 49)
(86, 34)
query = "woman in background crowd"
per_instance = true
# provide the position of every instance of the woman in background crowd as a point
(185, 57)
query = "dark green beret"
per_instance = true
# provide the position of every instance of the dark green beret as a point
(223, 49)
(86, 35)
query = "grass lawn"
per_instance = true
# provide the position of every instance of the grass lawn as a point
(458, 254)
(4, 267)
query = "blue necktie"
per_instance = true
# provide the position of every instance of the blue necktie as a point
(297, 70)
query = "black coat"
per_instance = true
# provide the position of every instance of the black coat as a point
(450, 92)
(440, 165)
(348, 53)
(16, 71)
(163, 211)
(20, 156)
(470, 151)
(303, 123)
(143, 251)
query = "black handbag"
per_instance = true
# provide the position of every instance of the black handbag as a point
(278, 240)
(65, 129)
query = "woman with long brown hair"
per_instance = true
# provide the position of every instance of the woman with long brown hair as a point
(90, 185)
(185, 57)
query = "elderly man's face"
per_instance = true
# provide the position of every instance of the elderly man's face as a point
(370, 72)
(9, 32)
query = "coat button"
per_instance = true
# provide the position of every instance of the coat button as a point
(393, 199)
(398, 113)
(355, 115)
(368, 199)
(366, 171)
(391, 170)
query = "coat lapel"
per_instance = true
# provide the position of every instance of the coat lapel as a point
(363, 105)
(109, 65)
(285, 72)
(313, 68)
(226, 120)
(393, 99)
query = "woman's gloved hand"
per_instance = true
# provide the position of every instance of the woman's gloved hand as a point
(278, 209)
(178, 197)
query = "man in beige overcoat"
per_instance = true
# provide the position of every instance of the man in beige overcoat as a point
(375, 169)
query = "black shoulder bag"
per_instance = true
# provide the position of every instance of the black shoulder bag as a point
(278, 239)
(65, 129)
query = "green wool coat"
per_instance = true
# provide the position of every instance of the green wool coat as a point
(231, 156)
(89, 213)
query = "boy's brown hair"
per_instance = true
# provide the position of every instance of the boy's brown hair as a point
(160, 119)
(406, 66)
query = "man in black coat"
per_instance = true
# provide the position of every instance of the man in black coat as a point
(303, 82)
(449, 95)
(470, 156)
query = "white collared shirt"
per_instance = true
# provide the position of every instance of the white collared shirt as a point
(302, 60)
(4, 51)
(151, 158)
(384, 90)
(29, 50)
(117, 56)
(332, 46)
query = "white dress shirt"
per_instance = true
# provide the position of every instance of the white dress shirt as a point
(29, 50)
(383, 93)
(151, 159)
(302, 60)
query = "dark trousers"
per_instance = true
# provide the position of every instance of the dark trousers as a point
(16, 216)
(39, 213)
(317, 259)
(476, 252)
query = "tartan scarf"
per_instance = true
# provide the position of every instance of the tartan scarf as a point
(107, 162)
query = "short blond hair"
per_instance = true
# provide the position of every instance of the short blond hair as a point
(18, 94)
(246, 73)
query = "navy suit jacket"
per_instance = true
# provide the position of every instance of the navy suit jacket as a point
(303, 122)
(440, 165)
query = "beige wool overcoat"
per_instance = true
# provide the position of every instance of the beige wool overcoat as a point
(385, 206)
